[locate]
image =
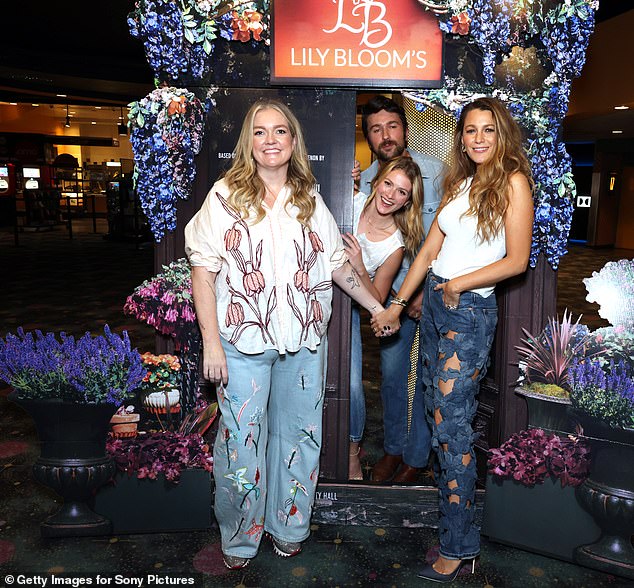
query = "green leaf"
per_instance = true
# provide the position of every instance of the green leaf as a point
(140, 120)
(207, 47)
(189, 36)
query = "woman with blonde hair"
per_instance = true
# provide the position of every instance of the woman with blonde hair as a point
(264, 250)
(481, 236)
(387, 225)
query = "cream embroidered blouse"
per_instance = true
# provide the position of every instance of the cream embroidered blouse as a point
(274, 283)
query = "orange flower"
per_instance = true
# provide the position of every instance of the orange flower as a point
(318, 312)
(460, 24)
(176, 106)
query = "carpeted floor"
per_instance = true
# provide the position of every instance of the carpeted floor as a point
(53, 283)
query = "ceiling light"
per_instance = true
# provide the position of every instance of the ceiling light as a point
(97, 107)
(93, 122)
(622, 107)
(34, 104)
(61, 95)
(617, 132)
(13, 103)
(113, 164)
(67, 123)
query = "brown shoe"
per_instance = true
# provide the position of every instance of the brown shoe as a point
(406, 475)
(386, 467)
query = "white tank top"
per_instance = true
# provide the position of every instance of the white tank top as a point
(374, 253)
(462, 252)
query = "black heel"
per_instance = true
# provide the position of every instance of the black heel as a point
(429, 573)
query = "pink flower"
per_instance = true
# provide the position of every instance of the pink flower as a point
(318, 312)
(171, 315)
(187, 312)
(232, 239)
(168, 297)
(235, 314)
(301, 280)
(253, 282)
(315, 241)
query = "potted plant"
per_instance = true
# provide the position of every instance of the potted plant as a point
(530, 494)
(163, 479)
(602, 396)
(124, 422)
(165, 302)
(160, 389)
(544, 364)
(71, 388)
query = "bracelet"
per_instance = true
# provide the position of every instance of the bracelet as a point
(400, 301)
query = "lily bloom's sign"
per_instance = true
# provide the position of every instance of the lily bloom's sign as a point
(371, 43)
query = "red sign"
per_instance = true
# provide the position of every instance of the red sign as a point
(387, 43)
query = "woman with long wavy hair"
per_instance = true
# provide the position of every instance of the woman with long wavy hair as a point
(481, 236)
(264, 251)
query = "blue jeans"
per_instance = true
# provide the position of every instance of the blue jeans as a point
(414, 445)
(455, 352)
(266, 454)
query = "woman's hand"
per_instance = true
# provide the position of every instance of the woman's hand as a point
(356, 175)
(450, 296)
(353, 250)
(215, 364)
(386, 323)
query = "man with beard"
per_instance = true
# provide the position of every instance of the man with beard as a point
(406, 447)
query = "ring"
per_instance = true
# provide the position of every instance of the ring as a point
(451, 306)
(386, 328)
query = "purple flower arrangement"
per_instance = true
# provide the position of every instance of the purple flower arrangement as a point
(92, 369)
(603, 390)
(165, 302)
(529, 456)
(166, 131)
(164, 452)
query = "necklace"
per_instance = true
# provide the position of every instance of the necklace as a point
(367, 218)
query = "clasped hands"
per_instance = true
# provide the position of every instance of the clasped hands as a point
(385, 323)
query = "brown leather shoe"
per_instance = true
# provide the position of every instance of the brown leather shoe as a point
(386, 467)
(406, 475)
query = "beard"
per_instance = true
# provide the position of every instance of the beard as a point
(388, 150)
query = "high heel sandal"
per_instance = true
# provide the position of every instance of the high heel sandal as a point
(356, 475)
(429, 573)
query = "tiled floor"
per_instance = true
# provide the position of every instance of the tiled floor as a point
(53, 283)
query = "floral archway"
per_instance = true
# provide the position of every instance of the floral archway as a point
(507, 40)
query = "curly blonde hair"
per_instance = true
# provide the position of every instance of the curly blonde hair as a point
(408, 218)
(489, 194)
(247, 190)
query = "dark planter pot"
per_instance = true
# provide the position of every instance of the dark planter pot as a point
(146, 506)
(608, 495)
(544, 518)
(547, 412)
(73, 461)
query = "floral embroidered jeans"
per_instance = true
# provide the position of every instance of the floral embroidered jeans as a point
(455, 351)
(266, 455)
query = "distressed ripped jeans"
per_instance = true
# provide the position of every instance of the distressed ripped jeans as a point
(455, 347)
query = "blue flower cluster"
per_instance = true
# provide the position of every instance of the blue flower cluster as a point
(166, 131)
(491, 30)
(603, 391)
(89, 370)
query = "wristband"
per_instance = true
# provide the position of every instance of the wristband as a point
(400, 301)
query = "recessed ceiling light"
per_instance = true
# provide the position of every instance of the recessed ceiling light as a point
(34, 104)
(13, 103)
(622, 107)
(97, 107)
(61, 95)
(94, 122)
(617, 132)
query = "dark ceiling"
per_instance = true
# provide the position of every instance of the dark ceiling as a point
(85, 50)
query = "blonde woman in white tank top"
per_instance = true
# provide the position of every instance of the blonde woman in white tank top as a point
(481, 236)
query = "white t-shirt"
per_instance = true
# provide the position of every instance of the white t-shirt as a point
(274, 282)
(462, 252)
(374, 253)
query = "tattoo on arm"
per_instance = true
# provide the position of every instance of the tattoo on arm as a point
(353, 279)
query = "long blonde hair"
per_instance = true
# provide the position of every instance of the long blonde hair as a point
(247, 190)
(489, 193)
(408, 218)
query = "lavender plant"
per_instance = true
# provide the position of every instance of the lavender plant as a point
(88, 370)
(603, 391)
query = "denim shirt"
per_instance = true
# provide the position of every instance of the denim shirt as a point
(432, 170)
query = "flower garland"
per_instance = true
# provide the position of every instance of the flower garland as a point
(166, 131)
(179, 36)
(563, 30)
